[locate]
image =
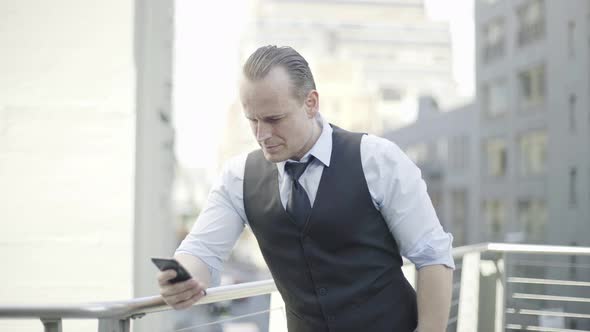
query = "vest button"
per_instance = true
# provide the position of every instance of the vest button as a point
(322, 291)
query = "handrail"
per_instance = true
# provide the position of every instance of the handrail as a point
(538, 249)
(133, 307)
(140, 306)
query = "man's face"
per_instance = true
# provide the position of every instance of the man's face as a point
(281, 124)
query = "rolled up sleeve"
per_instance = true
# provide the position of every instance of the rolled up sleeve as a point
(399, 193)
(221, 222)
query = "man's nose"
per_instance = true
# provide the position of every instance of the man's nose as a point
(263, 131)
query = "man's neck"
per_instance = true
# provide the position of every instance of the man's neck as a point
(316, 132)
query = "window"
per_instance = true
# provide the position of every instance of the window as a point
(572, 109)
(571, 38)
(459, 153)
(391, 94)
(437, 202)
(531, 22)
(442, 150)
(496, 157)
(418, 153)
(533, 153)
(459, 216)
(532, 86)
(573, 199)
(493, 39)
(532, 218)
(494, 212)
(495, 98)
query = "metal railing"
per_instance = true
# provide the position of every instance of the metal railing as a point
(490, 293)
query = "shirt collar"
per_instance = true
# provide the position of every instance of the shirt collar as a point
(321, 150)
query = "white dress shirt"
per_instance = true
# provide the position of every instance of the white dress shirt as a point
(396, 188)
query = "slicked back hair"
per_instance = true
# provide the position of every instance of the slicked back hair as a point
(260, 63)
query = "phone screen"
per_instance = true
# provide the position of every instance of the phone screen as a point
(171, 264)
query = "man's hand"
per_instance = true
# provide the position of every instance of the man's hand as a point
(180, 295)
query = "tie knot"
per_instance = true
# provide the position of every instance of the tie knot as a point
(295, 169)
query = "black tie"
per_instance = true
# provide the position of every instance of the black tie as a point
(298, 206)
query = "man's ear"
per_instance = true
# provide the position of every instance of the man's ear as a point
(312, 103)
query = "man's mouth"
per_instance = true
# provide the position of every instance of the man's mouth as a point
(271, 147)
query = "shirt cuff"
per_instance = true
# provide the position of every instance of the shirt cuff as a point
(438, 251)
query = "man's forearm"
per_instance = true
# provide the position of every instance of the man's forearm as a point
(196, 267)
(435, 288)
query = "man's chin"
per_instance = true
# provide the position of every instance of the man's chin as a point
(274, 157)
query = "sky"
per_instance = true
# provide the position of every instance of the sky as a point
(206, 68)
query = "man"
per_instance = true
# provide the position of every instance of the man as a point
(333, 211)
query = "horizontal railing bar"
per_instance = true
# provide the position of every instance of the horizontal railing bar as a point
(517, 280)
(473, 248)
(545, 313)
(129, 308)
(538, 249)
(540, 328)
(549, 264)
(525, 296)
(80, 311)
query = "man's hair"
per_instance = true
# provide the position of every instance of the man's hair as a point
(268, 57)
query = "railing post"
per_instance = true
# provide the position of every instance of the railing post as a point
(277, 319)
(501, 293)
(488, 289)
(469, 293)
(113, 325)
(51, 324)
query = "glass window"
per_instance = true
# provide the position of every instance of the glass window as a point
(442, 150)
(459, 153)
(572, 109)
(495, 97)
(391, 94)
(459, 216)
(573, 199)
(493, 39)
(437, 202)
(418, 153)
(496, 155)
(494, 212)
(571, 34)
(533, 153)
(532, 85)
(532, 218)
(531, 22)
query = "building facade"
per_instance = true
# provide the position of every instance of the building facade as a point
(533, 88)
(529, 127)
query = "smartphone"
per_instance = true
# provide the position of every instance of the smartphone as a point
(172, 264)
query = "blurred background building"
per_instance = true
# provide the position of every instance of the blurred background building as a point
(371, 59)
(520, 150)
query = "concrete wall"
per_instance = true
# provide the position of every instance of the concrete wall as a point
(66, 154)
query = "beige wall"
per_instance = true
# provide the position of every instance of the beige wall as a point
(66, 154)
